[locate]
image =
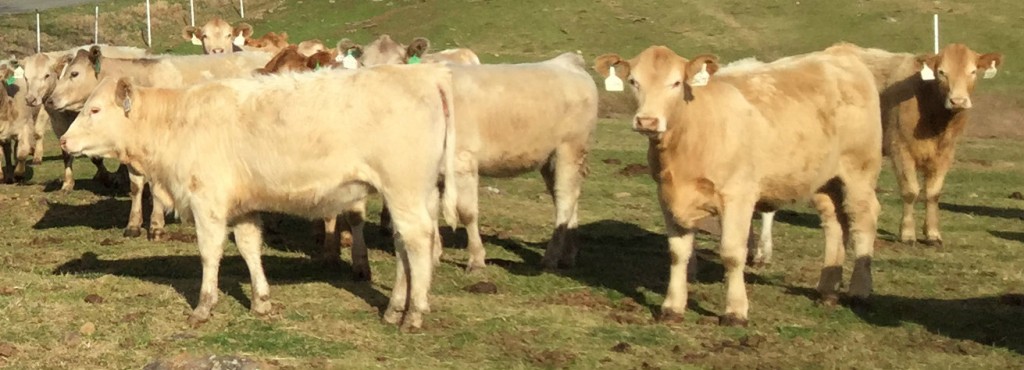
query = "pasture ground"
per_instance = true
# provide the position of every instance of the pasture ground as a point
(75, 294)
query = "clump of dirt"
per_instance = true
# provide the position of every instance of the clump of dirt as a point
(622, 347)
(580, 298)
(482, 287)
(45, 241)
(185, 361)
(109, 242)
(1017, 195)
(7, 350)
(634, 169)
(94, 299)
(611, 161)
(181, 237)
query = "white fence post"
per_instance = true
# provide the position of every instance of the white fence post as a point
(96, 29)
(241, 8)
(149, 27)
(192, 12)
(935, 19)
(39, 45)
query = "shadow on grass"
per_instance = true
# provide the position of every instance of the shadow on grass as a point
(808, 220)
(622, 257)
(1008, 235)
(296, 234)
(106, 213)
(998, 212)
(184, 274)
(991, 321)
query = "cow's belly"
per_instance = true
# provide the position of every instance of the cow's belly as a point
(311, 202)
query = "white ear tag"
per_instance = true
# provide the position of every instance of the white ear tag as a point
(20, 72)
(62, 70)
(196, 40)
(702, 77)
(127, 104)
(239, 40)
(989, 73)
(349, 61)
(927, 74)
(613, 82)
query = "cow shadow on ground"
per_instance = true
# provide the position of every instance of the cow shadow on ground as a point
(184, 274)
(107, 213)
(622, 257)
(803, 219)
(997, 212)
(295, 234)
(990, 320)
(1008, 235)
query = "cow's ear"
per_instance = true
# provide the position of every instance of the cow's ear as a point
(5, 73)
(345, 46)
(123, 95)
(417, 48)
(188, 32)
(990, 60)
(61, 64)
(244, 30)
(700, 69)
(94, 58)
(604, 63)
(321, 59)
(927, 64)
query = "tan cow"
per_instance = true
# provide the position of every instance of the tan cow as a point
(270, 42)
(85, 71)
(226, 165)
(41, 72)
(924, 111)
(218, 36)
(717, 141)
(292, 60)
(12, 127)
(385, 50)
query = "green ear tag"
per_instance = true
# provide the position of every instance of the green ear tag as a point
(10, 80)
(96, 67)
(317, 67)
(414, 60)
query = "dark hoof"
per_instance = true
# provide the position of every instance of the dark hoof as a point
(330, 264)
(829, 300)
(157, 235)
(195, 322)
(935, 243)
(732, 320)
(132, 232)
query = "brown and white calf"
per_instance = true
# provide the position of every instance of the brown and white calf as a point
(730, 141)
(926, 101)
(385, 50)
(84, 72)
(228, 149)
(290, 59)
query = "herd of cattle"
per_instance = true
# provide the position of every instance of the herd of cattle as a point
(261, 125)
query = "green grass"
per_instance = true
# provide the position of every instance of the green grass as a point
(931, 308)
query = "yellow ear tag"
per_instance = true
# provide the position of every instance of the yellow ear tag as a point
(196, 40)
(239, 40)
(989, 73)
(702, 77)
(613, 82)
(927, 74)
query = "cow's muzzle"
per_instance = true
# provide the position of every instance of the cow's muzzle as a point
(958, 103)
(648, 125)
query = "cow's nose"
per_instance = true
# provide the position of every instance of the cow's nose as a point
(959, 102)
(30, 101)
(645, 124)
(49, 102)
(218, 50)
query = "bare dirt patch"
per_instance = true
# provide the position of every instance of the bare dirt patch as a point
(634, 169)
(996, 115)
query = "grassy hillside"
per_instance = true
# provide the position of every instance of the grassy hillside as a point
(75, 294)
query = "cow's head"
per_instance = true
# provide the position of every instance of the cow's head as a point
(41, 73)
(384, 50)
(101, 126)
(270, 42)
(660, 79)
(956, 69)
(310, 47)
(78, 79)
(218, 36)
(323, 59)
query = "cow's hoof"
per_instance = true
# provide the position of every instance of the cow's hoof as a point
(196, 321)
(829, 300)
(412, 323)
(262, 307)
(732, 320)
(37, 161)
(157, 235)
(475, 266)
(670, 316)
(67, 187)
(8, 180)
(392, 316)
(132, 232)
(361, 273)
(934, 243)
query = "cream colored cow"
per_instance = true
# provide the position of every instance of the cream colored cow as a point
(926, 100)
(218, 36)
(229, 149)
(758, 136)
(87, 68)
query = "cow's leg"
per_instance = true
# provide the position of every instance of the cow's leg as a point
(763, 253)
(211, 231)
(906, 175)
(22, 152)
(249, 238)
(862, 207)
(138, 184)
(37, 149)
(5, 166)
(156, 217)
(827, 201)
(102, 175)
(735, 221)
(434, 205)
(355, 218)
(680, 247)
(413, 240)
(933, 182)
(330, 256)
(385, 220)
(563, 175)
(69, 176)
(467, 181)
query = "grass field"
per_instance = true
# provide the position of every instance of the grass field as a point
(75, 294)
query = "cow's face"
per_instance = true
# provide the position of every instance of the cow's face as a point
(956, 69)
(660, 79)
(100, 128)
(41, 72)
(78, 80)
(384, 50)
(218, 36)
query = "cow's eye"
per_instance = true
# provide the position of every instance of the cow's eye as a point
(974, 72)
(633, 82)
(677, 84)
(47, 76)
(942, 73)
(74, 74)
(94, 110)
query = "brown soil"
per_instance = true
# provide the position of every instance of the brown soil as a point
(996, 115)
(634, 169)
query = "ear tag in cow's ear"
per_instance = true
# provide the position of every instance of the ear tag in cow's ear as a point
(414, 60)
(989, 73)
(127, 105)
(701, 78)
(63, 70)
(96, 67)
(20, 72)
(196, 40)
(349, 61)
(613, 82)
(927, 74)
(317, 68)
(9, 81)
(239, 40)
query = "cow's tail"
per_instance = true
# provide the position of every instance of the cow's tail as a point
(449, 202)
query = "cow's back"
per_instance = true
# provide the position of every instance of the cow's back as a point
(188, 69)
(512, 116)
